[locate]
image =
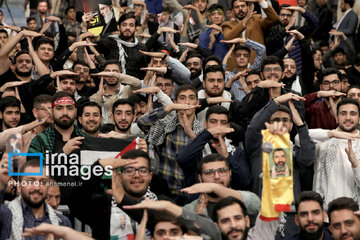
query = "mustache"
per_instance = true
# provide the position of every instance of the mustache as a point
(36, 191)
(234, 230)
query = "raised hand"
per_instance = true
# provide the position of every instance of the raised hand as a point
(330, 94)
(351, 155)
(148, 90)
(189, 45)
(270, 84)
(216, 100)
(72, 144)
(287, 97)
(235, 40)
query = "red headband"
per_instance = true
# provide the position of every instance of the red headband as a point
(165, 51)
(63, 100)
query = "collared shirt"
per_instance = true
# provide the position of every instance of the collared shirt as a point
(342, 18)
(29, 219)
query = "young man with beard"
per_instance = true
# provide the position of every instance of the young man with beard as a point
(213, 140)
(344, 219)
(125, 47)
(168, 133)
(354, 93)
(29, 209)
(336, 171)
(230, 215)
(116, 85)
(320, 113)
(279, 34)
(63, 136)
(248, 25)
(9, 112)
(123, 112)
(134, 177)
(90, 118)
(214, 84)
(272, 69)
(215, 176)
(290, 78)
(310, 217)
(23, 66)
(42, 15)
(194, 63)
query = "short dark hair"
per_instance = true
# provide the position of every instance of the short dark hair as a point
(40, 1)
(112, 61)
(30, 163)
(225, 202)
(80, 63)
(282, 6)
(43, 40)
(242, 47)
(211, 58)
(253, 72)
(68, 8)
(135, 153)
(4, 31)
(138, 98)
(351, 87)
(309, 196)
(88, 104)
(285, 109)
(327, 72)
(233, 1)
(123, 101)
(18, 54)
(338, 50)
(193, 55)
(350, 2)
(272, 60)
(61, 94)
(164, 217)
(323, 44)
(214, 7)
(217, 109)
(9, 101)
(184, 88)
(345, 101)
(215, 68)
(30, 19)
(342, 203)
(43, 98)
(126, 16)
(214, 157)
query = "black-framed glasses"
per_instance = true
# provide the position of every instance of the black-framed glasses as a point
(284, 120)
(221, 171)
(167, 85)
(130, 171)
(335, 83)
(275, 69)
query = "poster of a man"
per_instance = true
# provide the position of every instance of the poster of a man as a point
(108, 16)
(280, 168)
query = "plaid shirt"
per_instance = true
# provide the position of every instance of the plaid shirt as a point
(29, 219)
(260, 54)
(166, 139)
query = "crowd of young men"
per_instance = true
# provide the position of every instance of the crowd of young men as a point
(194, 83)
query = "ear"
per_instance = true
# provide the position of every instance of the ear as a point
(247, 221)
(0, 115)
(296, 219)
(325, 217)
(35, 112)
(205, 124)
(204, 83)
(80, 120)
(200, 178)
(112, 116)
(262, 76)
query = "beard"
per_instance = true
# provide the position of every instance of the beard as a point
(122, 129)
(23, 74)
(108, 17)
(132, 193)
(289, 80)
(311, 236)
(126, 38)
(11, 195)
(348, 130)
(245, 233)
(195, 74)
(64, 125)
(112, 84)
(91, 131)
(32, 204)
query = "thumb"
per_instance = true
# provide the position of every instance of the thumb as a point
(110, 192)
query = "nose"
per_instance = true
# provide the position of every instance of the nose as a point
(253, 85)
(216, 175)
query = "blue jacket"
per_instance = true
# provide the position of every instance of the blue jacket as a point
(219, 49)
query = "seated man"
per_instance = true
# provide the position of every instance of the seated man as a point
(344, 222)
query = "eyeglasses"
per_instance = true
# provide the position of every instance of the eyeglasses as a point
(335, 82)
(284, 120)
(221, 171)
(285, 15)
(130, 171)
(167, 85)
(276, 69)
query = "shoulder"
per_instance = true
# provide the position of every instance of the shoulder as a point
(64, 221)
